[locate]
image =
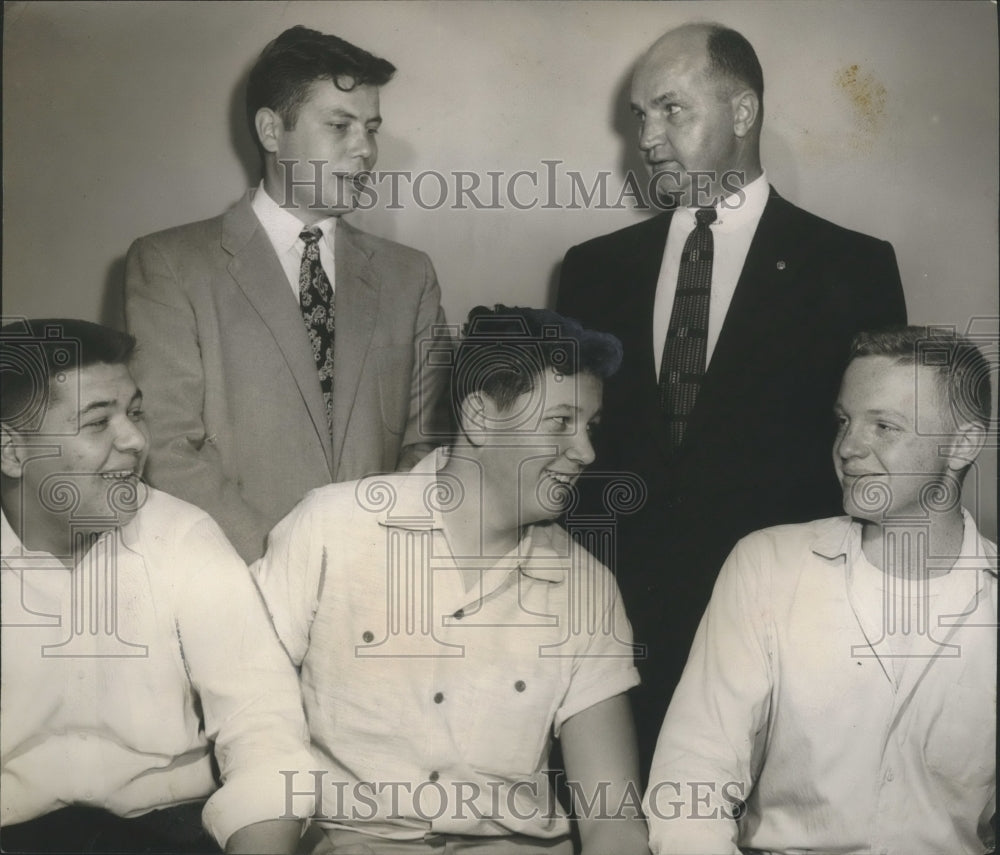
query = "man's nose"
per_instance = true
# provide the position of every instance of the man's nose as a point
(129, 437)
(363, 147)
(651, 134)
(581, 448)
(850, 443)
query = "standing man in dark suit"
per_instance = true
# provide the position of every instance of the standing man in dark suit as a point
(280, 349)
(736, 321)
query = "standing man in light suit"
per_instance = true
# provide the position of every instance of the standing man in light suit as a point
(279, 347)
(736, 321)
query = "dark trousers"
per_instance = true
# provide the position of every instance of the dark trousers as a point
(93, 831)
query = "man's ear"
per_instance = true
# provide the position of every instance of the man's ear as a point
(472, 416)
(11, 452)
(965, 445)
(746, 111)
(269, 126)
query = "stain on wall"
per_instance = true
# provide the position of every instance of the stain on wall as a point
(867, 98)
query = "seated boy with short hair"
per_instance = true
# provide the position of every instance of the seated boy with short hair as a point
(138, 660)
(840, 695)
(447, 628)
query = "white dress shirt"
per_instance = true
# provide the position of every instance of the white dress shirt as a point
(848, 716)
(408, 677)
(115, 697)
(283, 229)
(732, 233)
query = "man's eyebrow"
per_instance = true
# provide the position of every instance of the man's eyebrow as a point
(896, 414)
(341, 113)
(665, 98)
(97, 405)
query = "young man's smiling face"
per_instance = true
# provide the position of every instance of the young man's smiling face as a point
(891, 457)
(86, 458)
(542, 442)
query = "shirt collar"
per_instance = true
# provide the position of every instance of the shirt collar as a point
(739, 209)
(542, 552)
(841, 537)
(281, 225)
(11, 546)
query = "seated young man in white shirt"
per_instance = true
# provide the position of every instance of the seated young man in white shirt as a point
(447, 629)
(139, 665)
(840, 695)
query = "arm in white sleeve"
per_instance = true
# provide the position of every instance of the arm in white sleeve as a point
(249, 691)
(290, 575)
(705, 759)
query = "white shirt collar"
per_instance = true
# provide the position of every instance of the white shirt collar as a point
(541, 552)
(841, 537)
(281, 225)
(739, 209)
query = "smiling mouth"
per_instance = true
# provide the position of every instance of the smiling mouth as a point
(118, 475)
(562, 477)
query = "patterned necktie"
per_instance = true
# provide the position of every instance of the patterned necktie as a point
(686, 346)
(316, 302)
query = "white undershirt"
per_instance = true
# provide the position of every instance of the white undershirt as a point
(732, 233)
(283, 228)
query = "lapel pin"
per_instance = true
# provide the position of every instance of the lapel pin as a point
(780, 265)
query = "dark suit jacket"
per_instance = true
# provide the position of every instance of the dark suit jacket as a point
(230, 386)
(757, 449)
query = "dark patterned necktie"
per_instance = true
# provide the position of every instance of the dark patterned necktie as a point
(316, 302)
(686, 346)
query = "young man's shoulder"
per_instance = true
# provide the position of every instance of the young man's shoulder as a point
(347, 503)
(784, 548)
(385, 250)
(199, 232)
(163, 520)
(575, 558)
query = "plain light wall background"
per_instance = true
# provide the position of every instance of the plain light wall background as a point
(125, 118)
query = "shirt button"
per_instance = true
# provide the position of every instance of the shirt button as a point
(889, 776)
(459, 614)
(520, 685)
(433, 776)
(438, 697)
(368, 637)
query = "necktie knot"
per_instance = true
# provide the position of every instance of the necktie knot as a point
(311, 236)
(705, 216)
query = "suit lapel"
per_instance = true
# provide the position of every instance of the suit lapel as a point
(256, 269)
(357, 299)
(638, 293)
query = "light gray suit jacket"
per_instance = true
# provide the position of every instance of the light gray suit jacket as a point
(227, 373)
